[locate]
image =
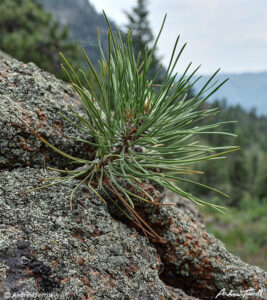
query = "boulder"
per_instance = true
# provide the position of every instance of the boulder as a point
(76, 254)
(39, 99)
(91, 252)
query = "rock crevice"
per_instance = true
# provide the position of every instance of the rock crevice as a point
(86, 253)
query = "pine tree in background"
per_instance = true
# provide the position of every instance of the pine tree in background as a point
(142, 34)
(260, 190)
(83, 21)
(30, 34)
(239, 175)
(138, 22)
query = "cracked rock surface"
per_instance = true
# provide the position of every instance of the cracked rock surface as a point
(87, 253)
(72, 254)
(39, 99)
(45, 248)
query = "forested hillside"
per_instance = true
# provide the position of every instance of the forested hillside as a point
(248, 90)
(83, 21)
(30, 34)
(243, 176)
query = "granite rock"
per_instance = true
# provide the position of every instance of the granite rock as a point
(47, 248)
(39, 99)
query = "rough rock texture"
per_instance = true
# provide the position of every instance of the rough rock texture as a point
(38, 98)
(86, 253)
(195, 260)
(198, 262)
(185, 205)
(45, 247)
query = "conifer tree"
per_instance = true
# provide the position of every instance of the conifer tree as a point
(30, 34)
(142, 35)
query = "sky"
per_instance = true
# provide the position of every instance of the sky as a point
(226, 34)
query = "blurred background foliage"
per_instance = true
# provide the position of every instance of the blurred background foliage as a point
(30, 34)
(243, 176)
(36, 30)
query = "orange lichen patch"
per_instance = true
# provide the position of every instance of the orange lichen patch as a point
(105, 278)
(65, 280)
(11, 85)
(3, 74)
(53, 264)
(65, 97)
(69, 98)
(171, 222)
(196, 245)
(36, 284)
(71, 296)
(15, 229)
(149, 189)
(78, 235)
(43, 151)
(177, 230)
(28, 271)
(3, 271)
(58, 126)
(80, 261)
(25, 116)
(95, 273)
(96, 233)
(131, 269)
(108, 281)
(205, 235)
(253, 284)
(88, 196)
(72, 258)
(91, 292)
(16, 125)
(134, 235)
(42, 118)
(34, 253)
(245, 286)
(45, 248)
(85, 280)
(25, 145)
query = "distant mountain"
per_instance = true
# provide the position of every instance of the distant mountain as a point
(247, 89)
(83, 20)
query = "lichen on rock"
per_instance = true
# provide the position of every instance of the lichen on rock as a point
(83, 251)
(90, 252)
(38, 98)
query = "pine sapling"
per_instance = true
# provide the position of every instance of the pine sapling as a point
(141, 130)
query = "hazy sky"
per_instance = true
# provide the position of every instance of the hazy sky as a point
(231, 34)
